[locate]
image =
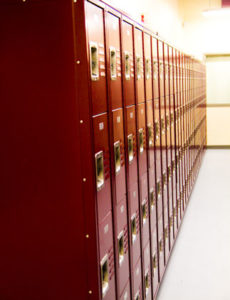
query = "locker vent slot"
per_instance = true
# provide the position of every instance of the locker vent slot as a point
(121, 247)
(99, 161)
(113, 63)
(130, 147)
(146, 284)
(152, 198)
(144, 212)
(117, 154)
(134, 228)
(141, 140)
(147, 68)
(127, 66)
(94, 68)
(104, 275)
(138, 67)
(150, 135)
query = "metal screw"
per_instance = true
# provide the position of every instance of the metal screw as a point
(87, 236)
(90, 292)
(84, 179)
(78, 62)
(81, 121)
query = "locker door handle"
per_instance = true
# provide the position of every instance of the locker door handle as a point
(133, 228)
(154, 263)
(138, 66)
(146, 284)
(150, 135)
(94, 66)
(144, 212)
(167, 122)
(166, 71)
(158, 189)
(156, 127)
(117, 156)
(172, 118)
(147, 68)
(169, 173)
(164, 180)
(130, 148)
(161, 70)
(121, 250)
(141, 140)
(127, 65)
(105, 274)
(113, 63)
(99, 162)
(152, 198)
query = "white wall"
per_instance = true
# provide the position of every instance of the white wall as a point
(162, 16)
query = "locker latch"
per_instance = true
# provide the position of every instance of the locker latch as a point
(150, 135)
(121, 247)
(117, 156)
(127, 65)
(99, 162)
(147, 68)
(133, 228)
(113, 63)
(152, 198)
(146, 284)
(104, 274)
(130, 147)
(94, 67)
(141, 140)
(138, 66)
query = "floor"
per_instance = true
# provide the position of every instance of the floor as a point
(199, 268)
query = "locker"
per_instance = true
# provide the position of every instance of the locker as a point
(161, 67)
(150, 133)
(134, 220)
(114, 60)
(128, 64)
(96, 49)
(166, 233)
(141, 132)
(119, 153)
(147, 273)
(102, 165)
(144, 210)
(161, 246)
(148, 67)
(152, 197)
(155, 62)
(122, 245)
(139, 65)
(155, 282)
(137, 283)
(131, 144)
(107, 258)
(167, 68)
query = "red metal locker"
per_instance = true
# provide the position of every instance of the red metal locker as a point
(107, 258)
(96, 48)
(152, 197)
(134, 223)
(166, 233)
(155, 282)
(128, 64)
(137, 282)
(131, 144)
(147, 273)
(139, 65)
(119, 153)
(102, 165)
(122, 246)
(161, 67)
(144, 202)
(141, 132)
(148, 67)
(161, 246)
(112, 23)
(150, 133)
(155, 62)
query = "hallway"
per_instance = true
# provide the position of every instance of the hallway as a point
(200, 263)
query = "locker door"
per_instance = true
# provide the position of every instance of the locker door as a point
(96, 48)
(155, 61)
(148, 67)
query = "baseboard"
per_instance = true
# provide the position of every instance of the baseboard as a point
(217, 147)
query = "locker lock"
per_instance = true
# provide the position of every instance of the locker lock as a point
(99, 164)
(130, 148)
(105, 274)
(113, 63)
(127, 65)
(133, 228)
(144, 212)
(141, 140)
(94, 65)
(121, 250)
(117, 156)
